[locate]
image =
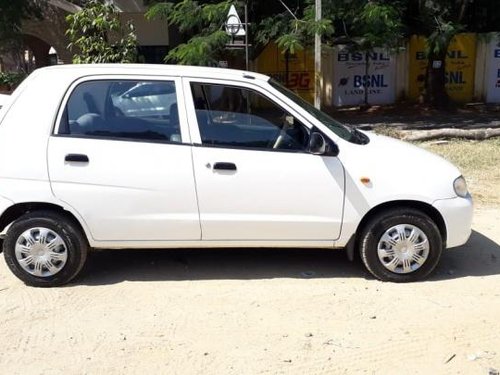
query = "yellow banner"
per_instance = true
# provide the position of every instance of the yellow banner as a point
(299, 68)
(460, 67)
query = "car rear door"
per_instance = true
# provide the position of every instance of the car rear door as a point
(121, 157)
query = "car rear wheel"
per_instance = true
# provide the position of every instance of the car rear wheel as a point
(401, 245)
(45, 249)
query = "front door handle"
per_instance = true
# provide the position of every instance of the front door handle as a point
(223, 166)
(76, 158)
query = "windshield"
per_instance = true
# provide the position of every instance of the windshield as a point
(343, 131)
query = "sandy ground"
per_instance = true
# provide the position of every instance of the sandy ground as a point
(258, 311)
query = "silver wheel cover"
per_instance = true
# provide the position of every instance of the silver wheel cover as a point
(41, 252)
(403, 248)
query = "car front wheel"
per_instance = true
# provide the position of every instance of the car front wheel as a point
(45, 249)
(401, 245)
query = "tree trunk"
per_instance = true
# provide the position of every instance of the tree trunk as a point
(463, 8)
(287, 67)
(435, 90)
(425, 135)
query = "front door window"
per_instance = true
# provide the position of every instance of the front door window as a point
(238, 117)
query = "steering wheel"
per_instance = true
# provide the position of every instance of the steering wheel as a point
(279, 140)
(282, 134)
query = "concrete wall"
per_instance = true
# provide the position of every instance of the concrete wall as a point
(473, 68)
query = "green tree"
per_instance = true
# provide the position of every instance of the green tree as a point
(439, 21)
(203, 26)
(360, 25)
(378, 25)
(293, 30)
(97, 36)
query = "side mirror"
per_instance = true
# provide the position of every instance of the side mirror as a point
(319, 146)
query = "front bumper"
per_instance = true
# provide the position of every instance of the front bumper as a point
(457, 215)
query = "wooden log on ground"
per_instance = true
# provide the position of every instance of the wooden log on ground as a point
(425, 135)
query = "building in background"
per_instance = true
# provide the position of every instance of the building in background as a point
(45, 41)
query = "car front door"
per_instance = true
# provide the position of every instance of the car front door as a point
(121, 157)
(255, 179)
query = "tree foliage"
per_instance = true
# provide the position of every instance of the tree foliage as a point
(293, 30)
(378, 25)
(360, 24)
(97, 36)
(203, 24)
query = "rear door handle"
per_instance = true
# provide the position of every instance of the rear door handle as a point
(76, 158)
(225, 166)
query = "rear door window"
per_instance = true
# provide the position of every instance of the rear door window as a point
(124, 109)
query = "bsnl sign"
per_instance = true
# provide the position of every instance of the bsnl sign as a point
(452, 77)
(457, 54)
(370, 80)
(455, 77)
(360, 56)
(459, 64)
(354, 83)
(364, 80)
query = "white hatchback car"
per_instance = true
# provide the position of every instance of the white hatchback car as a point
(145, 156)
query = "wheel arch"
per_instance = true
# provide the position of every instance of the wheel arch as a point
(426, 208)
(15, 211)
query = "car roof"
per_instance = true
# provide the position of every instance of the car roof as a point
(148, 69)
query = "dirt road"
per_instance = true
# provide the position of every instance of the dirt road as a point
(258, 311)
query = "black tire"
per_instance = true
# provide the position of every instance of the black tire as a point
(76, 247)
(379, 224)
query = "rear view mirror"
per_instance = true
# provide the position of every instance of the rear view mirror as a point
(319, 146)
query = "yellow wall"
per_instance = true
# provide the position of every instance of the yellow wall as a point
(300, 69)
(460, 67)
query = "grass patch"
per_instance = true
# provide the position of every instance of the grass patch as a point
(479, 162)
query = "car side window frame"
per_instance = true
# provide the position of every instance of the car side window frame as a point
(194, 129)
(183, 122)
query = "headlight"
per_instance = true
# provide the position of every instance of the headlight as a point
(460, 187)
